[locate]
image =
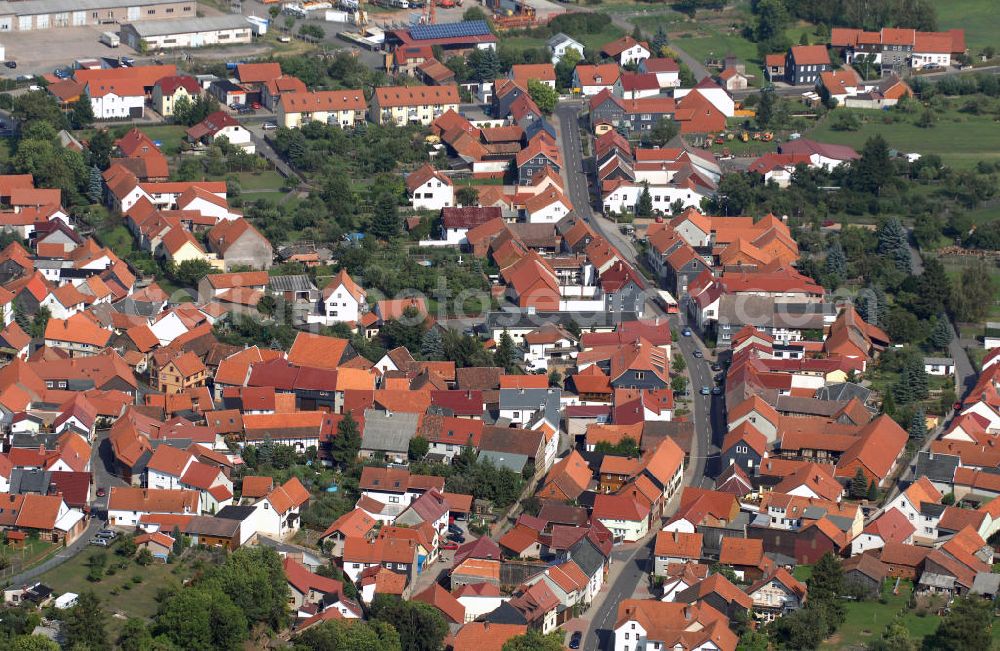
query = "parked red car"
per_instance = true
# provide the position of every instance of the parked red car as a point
(449, 545)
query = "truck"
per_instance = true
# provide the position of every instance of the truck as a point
(110, 39)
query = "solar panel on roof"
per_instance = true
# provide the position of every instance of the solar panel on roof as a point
(449, 30)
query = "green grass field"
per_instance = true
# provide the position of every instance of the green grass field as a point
(867, 619)
(168, 135)
(137, 600)
(953, 266)
(961, 139)
(979, 18)
(711, 44)
(592, 41)
(268, 180)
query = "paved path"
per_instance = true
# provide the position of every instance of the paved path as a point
(965, 372)
(61, 557)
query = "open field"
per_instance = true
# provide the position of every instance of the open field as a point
(979, 19)
(137, 600)
(961, 139)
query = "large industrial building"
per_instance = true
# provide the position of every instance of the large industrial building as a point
(27, 15)
(229, 29)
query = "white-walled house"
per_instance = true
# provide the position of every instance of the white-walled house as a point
(222, 125)
(119, 99)
(941, 366)
(547, 207)
(626, 51)
(429, 189)
(344, 301)
(560, 44)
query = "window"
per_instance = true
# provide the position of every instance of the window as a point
(151, 12)
(393, 500)
(170, 10)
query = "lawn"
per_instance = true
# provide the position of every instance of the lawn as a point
(802, 572)
(867, 619)
(118, 239)
(979, 19)
(953, 266)
(169, 136)
(592, 42)
(710, 43)
(961, 139)
(268, 180)
(118, 593)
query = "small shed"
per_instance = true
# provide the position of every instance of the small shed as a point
(941, 366)
(65, 601)
(986, 584)
(159, 544)
(16, 539)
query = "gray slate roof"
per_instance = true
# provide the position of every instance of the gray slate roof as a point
(388, 431)
(509, 460)
(844, 391)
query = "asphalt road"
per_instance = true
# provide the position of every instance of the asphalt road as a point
(637, 567)
(707, 411)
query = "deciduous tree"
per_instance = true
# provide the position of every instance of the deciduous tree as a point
(544, 96)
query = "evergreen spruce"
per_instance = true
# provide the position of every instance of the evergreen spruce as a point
(918, 425)
(385, 222)
(95, 186)
(858, 488)
(941, 335)
(504, 355)
(892, 243)
(432, 345)
(644, 206)
(835, 267)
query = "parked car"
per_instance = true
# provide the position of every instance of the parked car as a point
(269, 126)
(255, 106)
(34, 87)
(126, 61)
(932, 66)
(101, 492)
(63, 72)
(716, 391)
(100, 542)
(698, 354)
(10, 64)
(456, 537)
(574, 640)
(25, 77)
(705, 391)
(107, 534)
(246, 110)
(716, 367)
(455, 529)
(449, 545)
(686, 332)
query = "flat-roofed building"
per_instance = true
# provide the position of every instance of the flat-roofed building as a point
(228, 29)
(28, 15)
